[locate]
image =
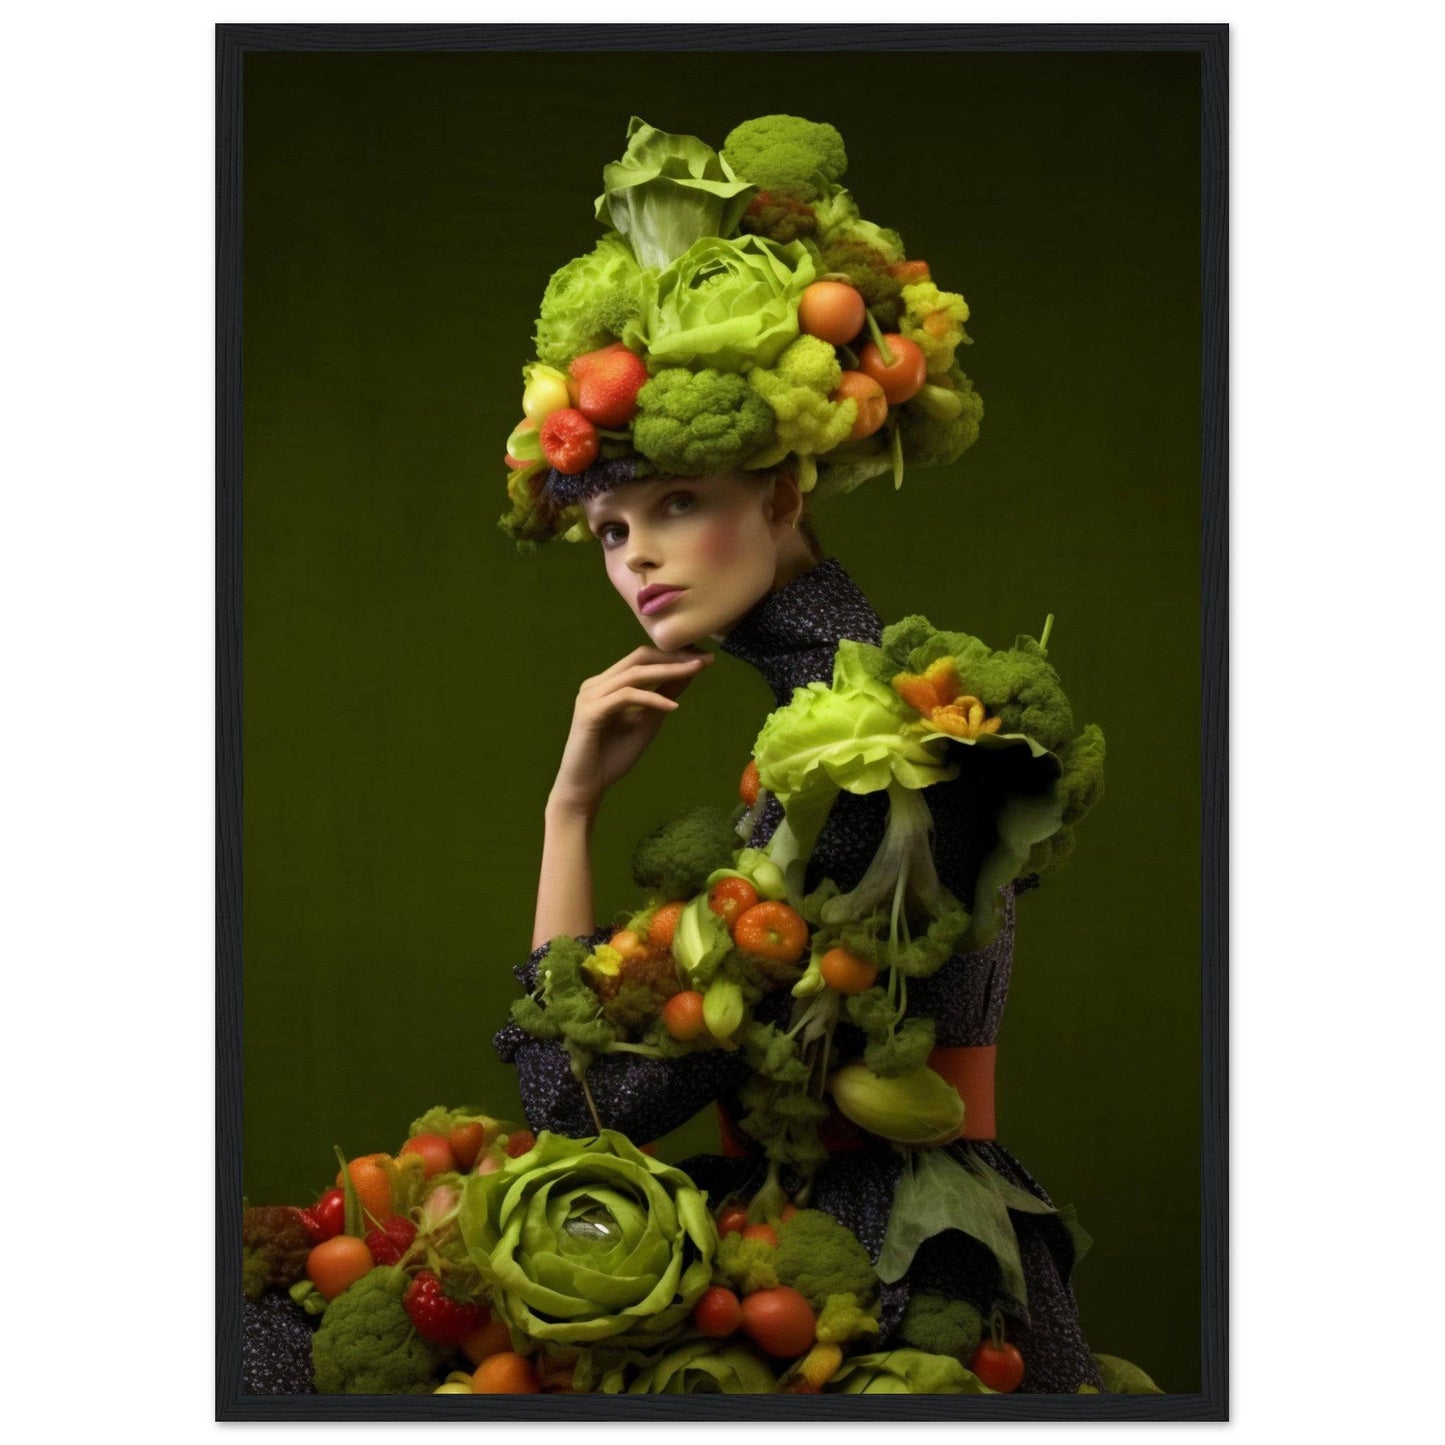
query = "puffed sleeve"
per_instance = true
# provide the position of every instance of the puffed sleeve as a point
(641, 1097)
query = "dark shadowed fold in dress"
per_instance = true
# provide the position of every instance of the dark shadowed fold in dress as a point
(791, 637)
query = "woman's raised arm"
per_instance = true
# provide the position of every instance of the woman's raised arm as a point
(616, 716)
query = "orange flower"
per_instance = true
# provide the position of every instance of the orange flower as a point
(936, 694)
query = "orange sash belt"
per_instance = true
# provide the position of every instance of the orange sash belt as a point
(969, 1068)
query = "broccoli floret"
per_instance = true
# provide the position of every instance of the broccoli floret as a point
(589, 302)
(797, 390)
(820, 1257)
(932, 440)
(275, 1245)
(779, 218)
(697, 423)
(942, 1326)
(676, 857)
(843, 1318)
(747, 1264)
(1082, 785)
(934, 320)
(568, 1009)
(787, 153)
(367, 1345)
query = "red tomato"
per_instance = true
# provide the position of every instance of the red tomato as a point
(771, 930)
(779, 1321)
(682, 1016)
(734, 1217)
(435, 1153)
(902, 380)
(569, 441)
(765, 1232)
(718, 1313)
(1000, 1367)
(731, 896)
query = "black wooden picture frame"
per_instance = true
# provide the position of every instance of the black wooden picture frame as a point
(1210, 43)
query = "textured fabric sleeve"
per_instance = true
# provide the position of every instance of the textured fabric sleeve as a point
(640, 1097)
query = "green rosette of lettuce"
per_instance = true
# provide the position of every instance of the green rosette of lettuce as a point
(582, 1241)
(700, 1367)
(905, 1372)
(726, 305)
(667, 192)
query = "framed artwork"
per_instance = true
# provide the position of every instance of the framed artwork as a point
(396, 681)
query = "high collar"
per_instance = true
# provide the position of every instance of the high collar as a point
(790, 636)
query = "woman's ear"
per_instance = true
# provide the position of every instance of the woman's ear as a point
(787, 508)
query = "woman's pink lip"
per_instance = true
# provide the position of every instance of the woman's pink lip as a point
(660, 600)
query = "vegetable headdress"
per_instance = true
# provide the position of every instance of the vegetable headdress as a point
(737, 313)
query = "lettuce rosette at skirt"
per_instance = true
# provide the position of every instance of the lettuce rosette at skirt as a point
(589, 1240)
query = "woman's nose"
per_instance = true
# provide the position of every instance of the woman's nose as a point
(641, 552)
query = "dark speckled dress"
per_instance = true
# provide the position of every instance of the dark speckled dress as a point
(791, 637)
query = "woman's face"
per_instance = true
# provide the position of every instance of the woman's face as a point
(689, 555)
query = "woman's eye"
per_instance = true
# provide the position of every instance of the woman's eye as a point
(610, 533)
(684, 501)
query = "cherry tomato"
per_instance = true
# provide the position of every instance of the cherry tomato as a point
(845, 972)
(831, 311)
(329, 1213)
(507, 1373)
(748, 785)
(336, 1264)
(627, 942)
(771, 930)
(779, 1321)
(1000, 1367)
(718, 1313)
(433, 1150)
(734, 1217)
(682, 1016)
(492, 1338)
(764, 1232)
(872, 404)
(729, 897)
(902, 380)
(664, 924)
(466, 1141)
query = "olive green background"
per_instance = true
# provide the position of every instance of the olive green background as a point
(409, 680)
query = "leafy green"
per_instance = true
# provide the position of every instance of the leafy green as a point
(905, 1372)
(594, 299)
(667, 192)
(726, 304)
(1121, 1377)
(937, 1192)
(590, 1240)
(706, 1367)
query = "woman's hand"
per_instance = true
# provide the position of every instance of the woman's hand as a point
(617, 715)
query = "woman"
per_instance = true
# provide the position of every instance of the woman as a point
(725, 557)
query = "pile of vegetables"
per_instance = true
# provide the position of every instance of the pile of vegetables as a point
(478, 1260)
(737, 311)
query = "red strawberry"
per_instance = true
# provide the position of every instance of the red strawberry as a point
(389, 1244)
(607, 384)
(439, 1318)
(522, 1142)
